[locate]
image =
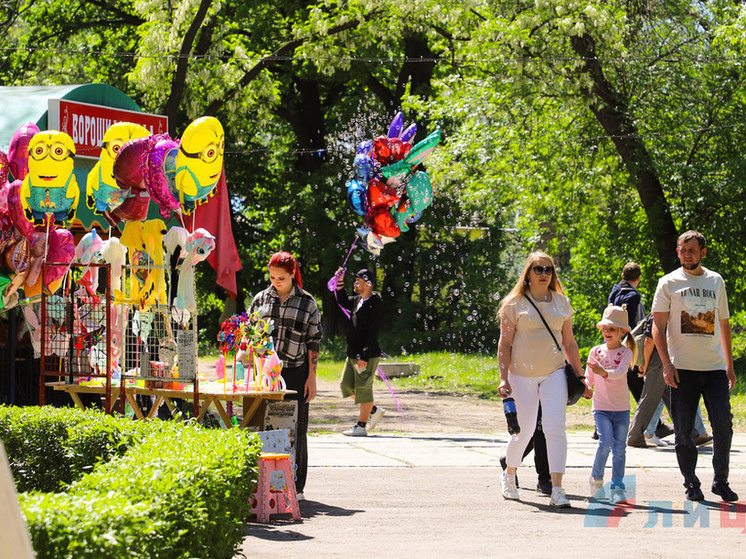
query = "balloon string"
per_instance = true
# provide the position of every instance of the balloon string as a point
(332, 283)
(46, 240)
(400, 407)
(350, 252)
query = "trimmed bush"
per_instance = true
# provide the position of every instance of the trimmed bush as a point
(49, 448)
(156, 490)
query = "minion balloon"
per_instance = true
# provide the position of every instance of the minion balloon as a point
(50, 186)
(199, 162)
(102, 191)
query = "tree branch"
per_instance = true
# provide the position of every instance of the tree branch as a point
(182, 65)
(276, 56)
(612, 112)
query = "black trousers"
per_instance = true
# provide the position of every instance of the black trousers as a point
(295, 379)
(713, 387)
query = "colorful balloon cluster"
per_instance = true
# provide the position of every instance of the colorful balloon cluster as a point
(388, 190)
(41, 197)
(135, 167)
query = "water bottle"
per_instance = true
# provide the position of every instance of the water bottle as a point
(511, 416)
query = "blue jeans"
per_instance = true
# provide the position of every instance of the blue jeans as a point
(713, 387)
(612, 429)
(699, 424)
(650, 429)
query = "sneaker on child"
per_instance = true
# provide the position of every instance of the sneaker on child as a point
(618, 496)
(597, 485)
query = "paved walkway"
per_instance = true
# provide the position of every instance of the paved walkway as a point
(438, 495)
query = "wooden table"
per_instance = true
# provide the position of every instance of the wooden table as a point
(251, 401)
(75, 390)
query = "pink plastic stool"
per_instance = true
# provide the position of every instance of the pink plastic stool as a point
(269, 500)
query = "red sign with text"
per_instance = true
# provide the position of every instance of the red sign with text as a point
(86, 124)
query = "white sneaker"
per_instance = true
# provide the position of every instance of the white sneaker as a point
(300, 497)
(559, 499)
(507, 484)
(375, 417)
(597, 488)
(356, 431)
(618, 496)
(655, 441)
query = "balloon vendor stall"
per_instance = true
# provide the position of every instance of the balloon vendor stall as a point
(103, 220)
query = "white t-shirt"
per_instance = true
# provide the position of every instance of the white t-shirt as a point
(696, 305)
(534, 353)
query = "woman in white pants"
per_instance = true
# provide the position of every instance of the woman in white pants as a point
(532, 367)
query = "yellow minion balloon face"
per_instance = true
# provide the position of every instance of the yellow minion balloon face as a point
(102, 191)
(199, 162)
(50, 186)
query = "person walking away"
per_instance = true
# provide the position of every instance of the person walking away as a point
(296, 338)
(363, 349)
(606, 374)
(626, 293)
(532, 367)
(692, 334)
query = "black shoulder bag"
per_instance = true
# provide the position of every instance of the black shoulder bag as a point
(575, 386)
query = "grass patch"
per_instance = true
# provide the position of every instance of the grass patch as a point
(479, 376)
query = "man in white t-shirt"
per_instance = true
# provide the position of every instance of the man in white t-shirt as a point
(697, 359)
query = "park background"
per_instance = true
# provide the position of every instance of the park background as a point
(596, 131)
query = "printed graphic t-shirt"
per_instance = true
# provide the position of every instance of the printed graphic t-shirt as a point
(611, 393)
(696, 305)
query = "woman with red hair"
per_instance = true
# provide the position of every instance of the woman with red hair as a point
(296, 336)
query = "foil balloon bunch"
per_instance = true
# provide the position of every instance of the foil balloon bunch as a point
(389, 189)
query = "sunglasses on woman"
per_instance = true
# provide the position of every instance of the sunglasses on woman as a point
(538, 270)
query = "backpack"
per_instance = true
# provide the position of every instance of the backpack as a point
(638, 333)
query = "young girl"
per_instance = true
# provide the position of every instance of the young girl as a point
(606, 373)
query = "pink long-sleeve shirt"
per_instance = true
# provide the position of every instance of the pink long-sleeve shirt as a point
(611, 393)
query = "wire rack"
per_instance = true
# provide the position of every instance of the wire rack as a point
(158, 343)
(75, 324)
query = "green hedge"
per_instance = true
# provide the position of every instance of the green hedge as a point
(155, 489)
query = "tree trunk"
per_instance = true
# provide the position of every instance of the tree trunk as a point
(612, 111)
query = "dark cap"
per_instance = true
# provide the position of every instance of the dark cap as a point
(366, 275)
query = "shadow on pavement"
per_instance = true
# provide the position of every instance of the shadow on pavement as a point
(309, 509)
(277, 529)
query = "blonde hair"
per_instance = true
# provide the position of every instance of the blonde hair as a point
(522, 286)
(629, 341)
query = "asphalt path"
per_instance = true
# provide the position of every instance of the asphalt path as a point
(438, 495)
